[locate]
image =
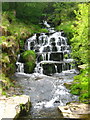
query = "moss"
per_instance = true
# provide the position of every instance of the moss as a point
(29, 67)
(29, 58)
(44, 30)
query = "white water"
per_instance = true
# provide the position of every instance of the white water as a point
(47, 92)
(49, 47)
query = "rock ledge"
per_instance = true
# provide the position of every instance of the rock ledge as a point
(12, 107)
(76, 110)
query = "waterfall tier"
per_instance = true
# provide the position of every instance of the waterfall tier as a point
(50, 48)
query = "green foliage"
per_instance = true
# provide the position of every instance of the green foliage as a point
(4, 93)
(66, 26)
(29, 58)
(60, 13)
(80, 40)
(20, 21)
(66, 56)
(80, 86)
(5, 83)
(79, 44)
(18, 29)
(29, 67)
(26, 11)
(43, 30)
(63, 17)
(5, 58)
(28, 55)
(2, 39)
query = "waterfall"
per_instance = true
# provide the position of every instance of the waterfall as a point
(56, 68)
(20, 67)
(50, 48)
(46, 89)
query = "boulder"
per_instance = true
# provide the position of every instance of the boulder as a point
(28, 58)
(48, 68)
(76, 111)
(82, 66)
(12, 107)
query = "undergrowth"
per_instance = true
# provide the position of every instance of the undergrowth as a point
(80, 86)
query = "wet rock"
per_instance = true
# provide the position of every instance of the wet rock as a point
(75, 110)
(12, 107)
(59, 67)
(48, 69)
(56, 56)
(68, 85)
(57, 101)
(54, 48)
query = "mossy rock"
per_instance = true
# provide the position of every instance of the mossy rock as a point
(68, 85)
(29, 67)
(49, 69)
(28, 58)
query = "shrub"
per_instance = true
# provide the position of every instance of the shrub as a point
(80, 85)
(29, 58)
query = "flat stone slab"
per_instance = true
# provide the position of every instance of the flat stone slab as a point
(11, 107)
(76, 110)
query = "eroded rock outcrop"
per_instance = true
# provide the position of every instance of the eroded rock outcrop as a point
(76, 110)
(12, 107)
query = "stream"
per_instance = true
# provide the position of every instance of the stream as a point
(46, 85)
(46, 93)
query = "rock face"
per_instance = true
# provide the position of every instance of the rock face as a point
(12, 107)
(76, 110)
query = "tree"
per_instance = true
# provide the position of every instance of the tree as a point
(26, 11)
(80, 41)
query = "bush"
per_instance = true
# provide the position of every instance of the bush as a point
(29, 58)
(80, 86)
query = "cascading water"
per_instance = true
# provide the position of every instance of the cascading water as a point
(48, 92)
(20, 65)
(50, 49)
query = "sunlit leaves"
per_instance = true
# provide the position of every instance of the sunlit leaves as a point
(80, 39)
